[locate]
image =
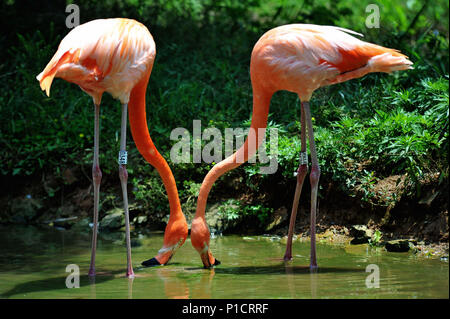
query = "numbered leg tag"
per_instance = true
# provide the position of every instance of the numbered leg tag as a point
(123, 157)
(303, 161)
(303, 158)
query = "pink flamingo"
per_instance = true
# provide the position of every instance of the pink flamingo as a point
(116, 56)
(299, 58)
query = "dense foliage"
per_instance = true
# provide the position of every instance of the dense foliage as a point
(366, 129)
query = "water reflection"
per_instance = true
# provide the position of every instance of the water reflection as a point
(203, 289)
(130, 288)
(33, 266)
(174, 286)
(100, 278)
(92, 291)
(290, 277)
(182, 285)
(313, 280)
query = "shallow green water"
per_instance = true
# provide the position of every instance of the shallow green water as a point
(33, 265)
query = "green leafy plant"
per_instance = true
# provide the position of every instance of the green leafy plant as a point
(366, 129)
(376, 239)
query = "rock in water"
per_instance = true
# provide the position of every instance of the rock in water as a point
(278, 217)
(361, 234)
(114, 219)
(399, 245)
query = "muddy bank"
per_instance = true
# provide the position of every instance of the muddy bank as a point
(67, 203)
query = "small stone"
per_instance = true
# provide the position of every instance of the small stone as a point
(327, 234)
(361, 234)
(360, 240)
(278, 217)
(115, 219)
(360, 231)
(399, 245)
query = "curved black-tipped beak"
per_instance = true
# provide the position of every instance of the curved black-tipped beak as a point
(151, 262)
(216, 263)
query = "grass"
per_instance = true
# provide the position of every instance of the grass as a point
(366, 129)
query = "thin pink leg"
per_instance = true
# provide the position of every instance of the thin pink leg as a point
(301, 174)
(96, 178)
(123, 174)
(314, 179)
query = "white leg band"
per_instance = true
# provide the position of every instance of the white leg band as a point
(303, 158)
(123, 155)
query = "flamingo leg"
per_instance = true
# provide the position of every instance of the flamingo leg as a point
(301, 174)
(314, 176)
(123, 174)
(96, 179)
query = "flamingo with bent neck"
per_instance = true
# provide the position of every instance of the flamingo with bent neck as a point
(299, 58)
(116, 56)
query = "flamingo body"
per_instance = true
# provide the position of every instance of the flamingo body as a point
(105, 55)
(303, 57)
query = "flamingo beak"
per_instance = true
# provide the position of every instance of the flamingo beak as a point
(160, 259)
(208, 260)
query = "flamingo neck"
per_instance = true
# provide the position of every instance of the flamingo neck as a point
(144, 143)
(261, 103)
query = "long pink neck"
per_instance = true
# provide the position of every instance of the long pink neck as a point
(144, 143)
(261, 103)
